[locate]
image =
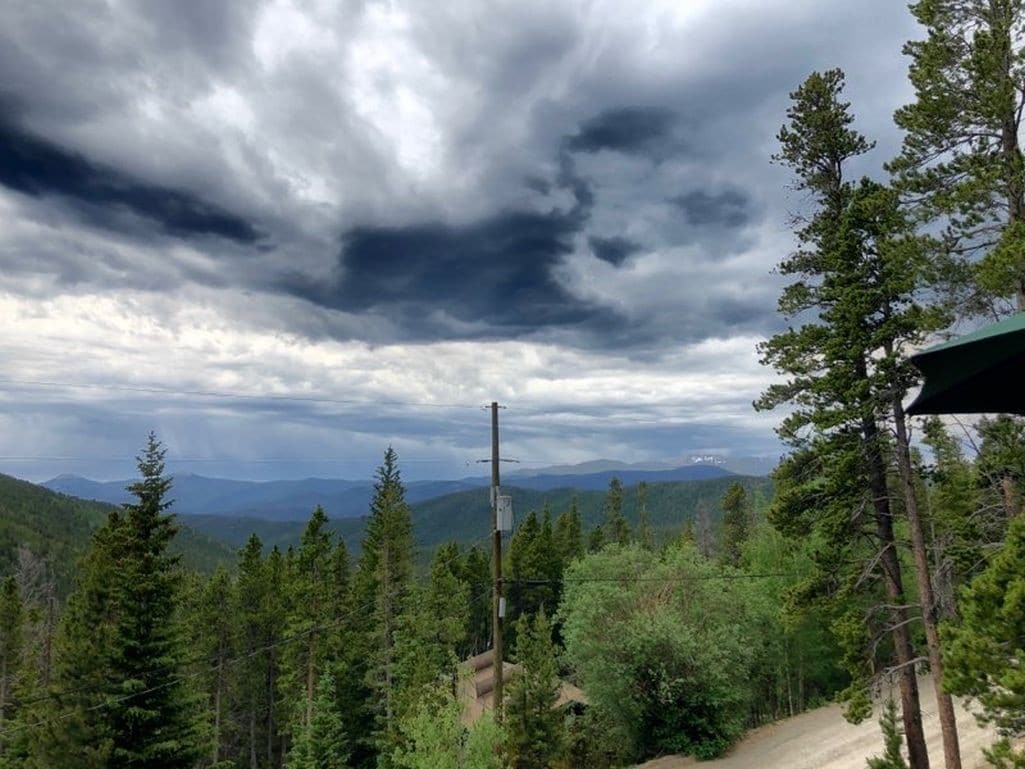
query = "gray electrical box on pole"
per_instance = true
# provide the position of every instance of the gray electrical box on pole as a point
(505, 513)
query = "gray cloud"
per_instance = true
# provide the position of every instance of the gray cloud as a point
(589, 180)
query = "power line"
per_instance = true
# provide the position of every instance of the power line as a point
(681, 578)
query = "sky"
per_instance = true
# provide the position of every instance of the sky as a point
(285, 235)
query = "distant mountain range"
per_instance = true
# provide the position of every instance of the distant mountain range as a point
(293, 500)
(464, 516)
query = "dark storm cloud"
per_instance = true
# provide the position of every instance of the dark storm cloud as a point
(614, 250)
(494, 275)
(37, 167)
(630, 130)
(728, 208)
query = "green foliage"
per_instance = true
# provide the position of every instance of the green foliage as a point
(736, 523)
(984, 650)
(323, 743)
(58, 528)
(535, 730)
(435, 737)
(961, 160)
(669, 661)
(534, 570)
(860, 280)
(12, 644)
(122, 652)
(431, 629)
(383, 585)
(616, 528)
(893, 739)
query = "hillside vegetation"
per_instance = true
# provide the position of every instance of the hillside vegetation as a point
(59, 528)
(464, 517)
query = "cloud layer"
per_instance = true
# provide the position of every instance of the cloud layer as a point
(565, 206)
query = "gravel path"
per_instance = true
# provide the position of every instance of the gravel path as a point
(822, 739)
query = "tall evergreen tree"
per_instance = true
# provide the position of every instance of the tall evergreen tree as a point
(475, 573)
(616, 527)
(311, 591)
(253, 606)
(535, 729)
(213, 630)
(836, 482)
(323, 743)
(12, 641)
(984, 649)
(736, 523)
(962, 160)
(569, 534)
(125, 701)
(644, 534)
(384, 583)
(431, 630)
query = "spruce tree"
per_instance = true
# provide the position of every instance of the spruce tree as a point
(984, 649)
(252, 606)
(835, 484)
(535, 729)
(324, 742)
(616, 528)
(312, 597)
(736, 523)
(644, 534)
(12, 642)
(431, 630)
(382, 587)
(892, 757)
(569, 534)
(475, 573)
(213, 640)
(125, 701)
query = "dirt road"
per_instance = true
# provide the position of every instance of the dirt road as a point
(822, 739)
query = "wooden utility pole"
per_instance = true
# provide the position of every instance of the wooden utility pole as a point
(496, 566)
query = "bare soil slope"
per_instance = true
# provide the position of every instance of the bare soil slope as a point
(822, 739)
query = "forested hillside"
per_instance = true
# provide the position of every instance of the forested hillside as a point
(464, 517)
(58, 528)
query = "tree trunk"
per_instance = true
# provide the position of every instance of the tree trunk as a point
(911, 709)
(217, 711)
(944, 702)
(270, 711)
(252, 737)
(311, 675)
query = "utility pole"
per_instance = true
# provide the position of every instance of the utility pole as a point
(497, 601)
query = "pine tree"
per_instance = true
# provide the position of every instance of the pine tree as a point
(252, 606)
(12, 642)
(213, 626)
(835, 484)
(126, 701)
(535, 728)
(323, 743)
(983, 650)
(962, 161)
(736, 523)
(431, 629)
(616, 528)
(644, 535)
(311, 592)
(569, 534)
(892, 757)
(475, 573)
(384, 582)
